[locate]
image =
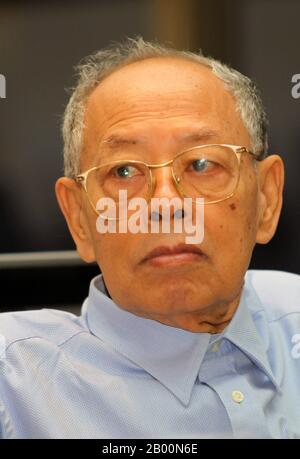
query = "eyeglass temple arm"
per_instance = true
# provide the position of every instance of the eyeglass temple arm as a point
(257, 156)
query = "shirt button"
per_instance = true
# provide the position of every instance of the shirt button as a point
(237, 396)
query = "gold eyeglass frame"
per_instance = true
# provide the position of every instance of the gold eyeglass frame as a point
(81, 179)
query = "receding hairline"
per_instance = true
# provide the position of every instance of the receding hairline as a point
(137, 63)
(175, 59)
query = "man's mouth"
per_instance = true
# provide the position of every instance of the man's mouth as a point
(164, 256)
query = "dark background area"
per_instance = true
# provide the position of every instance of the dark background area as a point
(40, 42)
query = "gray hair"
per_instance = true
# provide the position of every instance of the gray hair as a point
(94, 68)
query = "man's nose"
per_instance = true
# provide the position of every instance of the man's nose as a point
(163, 183)
(164, 187)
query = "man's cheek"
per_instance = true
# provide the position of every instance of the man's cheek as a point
(230, 231)
(223, 221)
(115, 250)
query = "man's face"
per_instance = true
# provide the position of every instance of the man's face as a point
(150, 111)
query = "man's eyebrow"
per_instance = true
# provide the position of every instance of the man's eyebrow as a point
(117, 140)
(199, 135)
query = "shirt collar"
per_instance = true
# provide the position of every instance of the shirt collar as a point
(171, 355)
(248, 331)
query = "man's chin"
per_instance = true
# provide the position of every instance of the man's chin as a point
(166, 270)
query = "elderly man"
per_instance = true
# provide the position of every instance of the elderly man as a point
(175, 339)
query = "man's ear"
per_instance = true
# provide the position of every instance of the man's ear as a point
(271, 181)
(69, 198)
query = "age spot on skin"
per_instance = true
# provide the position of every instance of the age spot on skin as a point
(249, 225)
(232, 206)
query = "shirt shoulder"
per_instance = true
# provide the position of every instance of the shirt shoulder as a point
(52, 325)
(278, 292)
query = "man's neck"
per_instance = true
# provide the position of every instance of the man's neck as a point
(214, 319)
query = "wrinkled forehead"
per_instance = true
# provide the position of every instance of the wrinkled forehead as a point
(159, 94)
(157, 81)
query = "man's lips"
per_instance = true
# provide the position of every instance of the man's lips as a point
(173, 256)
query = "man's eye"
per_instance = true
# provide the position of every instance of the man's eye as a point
(125, 171)
(202, 165)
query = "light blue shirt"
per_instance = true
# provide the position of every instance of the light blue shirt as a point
(111, 374)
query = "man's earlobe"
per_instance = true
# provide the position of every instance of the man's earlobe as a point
(70, 201)
(271, 181)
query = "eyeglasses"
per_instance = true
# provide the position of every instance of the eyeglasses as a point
(208, 171)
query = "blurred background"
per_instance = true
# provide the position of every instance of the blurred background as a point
(41, 42)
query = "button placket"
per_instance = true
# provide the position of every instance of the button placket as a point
(237, 396)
